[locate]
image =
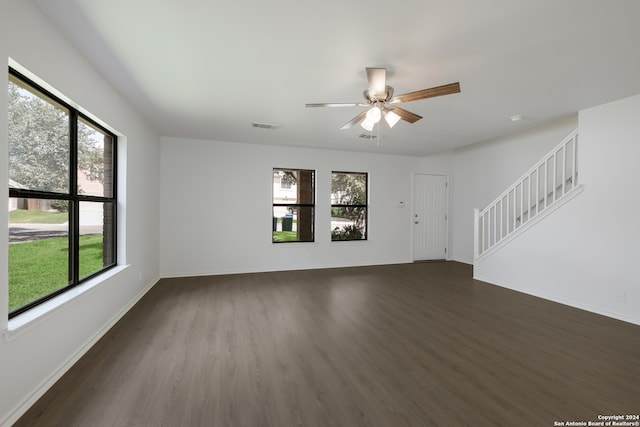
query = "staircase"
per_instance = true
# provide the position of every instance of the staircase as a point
(546, 186)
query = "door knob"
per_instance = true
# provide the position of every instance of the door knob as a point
(416, 222)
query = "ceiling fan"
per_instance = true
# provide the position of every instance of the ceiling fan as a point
(379, 97)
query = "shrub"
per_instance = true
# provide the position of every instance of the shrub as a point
(348, 232)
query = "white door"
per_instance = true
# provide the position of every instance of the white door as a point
(429, 217)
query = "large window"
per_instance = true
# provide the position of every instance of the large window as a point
(293, 205)
(348, 206)
(62, 198)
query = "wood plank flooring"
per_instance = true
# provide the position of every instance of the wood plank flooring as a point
(401, 345)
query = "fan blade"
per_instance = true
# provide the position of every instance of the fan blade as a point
(405, 115)
(427, 93)
(377, 78)
(334, 104)
(357, 119)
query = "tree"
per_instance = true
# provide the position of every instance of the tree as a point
(39, 143)
(348, 188)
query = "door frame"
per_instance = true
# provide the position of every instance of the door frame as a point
(446, 212)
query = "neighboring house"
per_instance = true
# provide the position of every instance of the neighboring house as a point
(284, 191)
(87, 185)
(27, 204)
(90, 214)
(17, 203)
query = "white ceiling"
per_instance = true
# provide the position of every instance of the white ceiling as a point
(208, 69)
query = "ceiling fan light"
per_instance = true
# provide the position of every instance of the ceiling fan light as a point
(391, 118)
(374, 114)
(367, 124)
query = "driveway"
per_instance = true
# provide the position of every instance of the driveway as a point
(28, 232)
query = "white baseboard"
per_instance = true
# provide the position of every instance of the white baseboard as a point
(177, 275)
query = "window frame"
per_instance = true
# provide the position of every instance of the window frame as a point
(72, 196)
(295, 205)
(364, 206)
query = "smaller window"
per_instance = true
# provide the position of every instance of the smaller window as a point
(349, 205)
(293, 205)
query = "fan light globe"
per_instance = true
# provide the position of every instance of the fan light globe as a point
(391, 118)
(374, 114)
(367, 124)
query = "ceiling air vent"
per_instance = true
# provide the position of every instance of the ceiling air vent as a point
(265, 125)
(367, 136)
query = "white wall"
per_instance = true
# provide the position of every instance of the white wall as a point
(35, 355)
(216, 208)
(586, 253)
(482, 171)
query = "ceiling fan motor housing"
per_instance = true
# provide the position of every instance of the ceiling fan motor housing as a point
(372, 98)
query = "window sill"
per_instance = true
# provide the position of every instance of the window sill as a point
(38, 314)
(292, 244)
(351, 242)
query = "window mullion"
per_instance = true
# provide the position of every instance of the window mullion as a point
(74, 208)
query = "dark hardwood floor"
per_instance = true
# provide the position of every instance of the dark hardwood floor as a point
(401, 345)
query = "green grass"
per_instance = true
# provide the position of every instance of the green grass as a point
(285, 236)
(37, 217)
(40, 267)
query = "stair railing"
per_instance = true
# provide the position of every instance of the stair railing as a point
(550, 180)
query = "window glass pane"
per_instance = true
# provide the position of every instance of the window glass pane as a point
(38, 249)
(348, 223)
(96, 237)
(285, 186)
(293, 186)
(348, 206)
(95, 161)
(348, 188)
(294, 224)
(38, 140)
